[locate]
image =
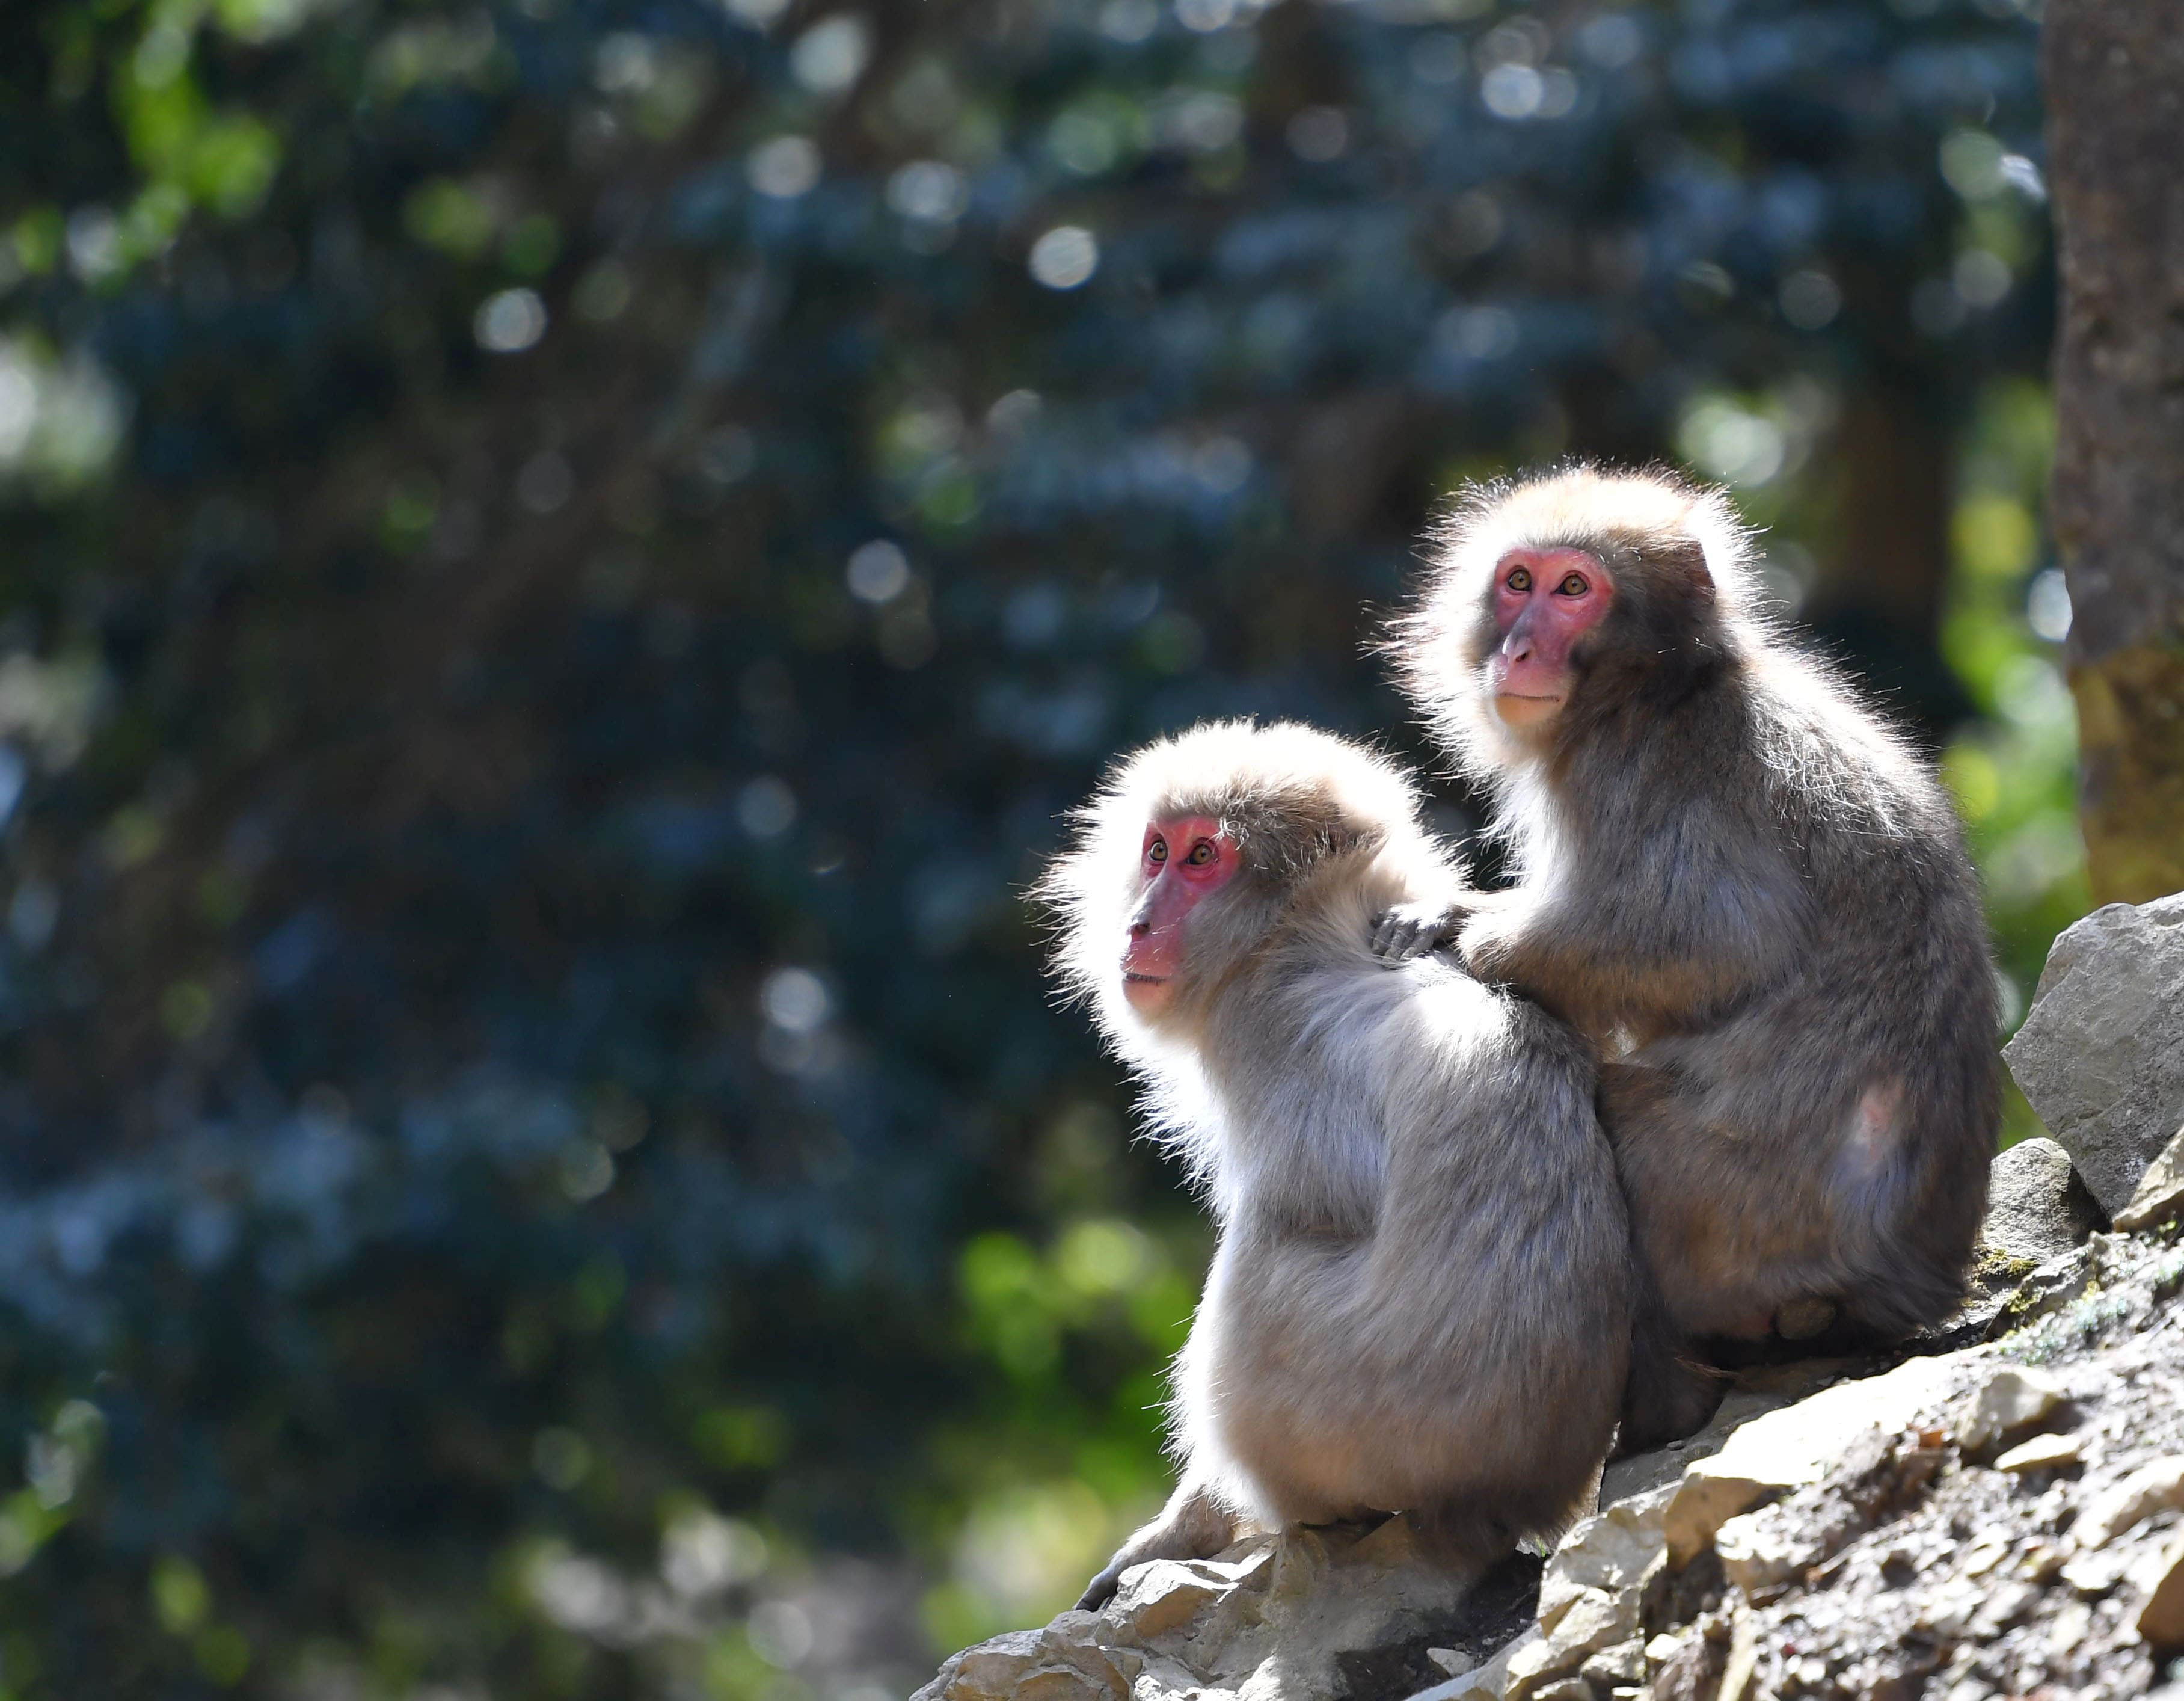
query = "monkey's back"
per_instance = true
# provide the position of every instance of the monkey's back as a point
(1857, 1069)
(1428, 1289)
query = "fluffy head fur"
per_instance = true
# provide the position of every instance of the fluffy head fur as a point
(1441, 645)
(1287, 795)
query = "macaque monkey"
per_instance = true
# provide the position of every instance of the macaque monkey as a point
(1420, 1298)
(1753, 898)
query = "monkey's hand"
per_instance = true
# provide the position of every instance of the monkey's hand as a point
(1410, 930)
(1193, 1526)
(1101, 1589)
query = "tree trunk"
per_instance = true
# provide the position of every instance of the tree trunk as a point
(2115, 73)
(1885, 563)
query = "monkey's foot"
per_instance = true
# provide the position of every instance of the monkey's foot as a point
(1805, 1319)
(1412, 930)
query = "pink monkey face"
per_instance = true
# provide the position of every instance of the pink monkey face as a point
(1544, 601)
(1183, 862)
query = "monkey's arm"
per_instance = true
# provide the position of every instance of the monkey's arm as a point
(1672, 938)
(1192, 1525)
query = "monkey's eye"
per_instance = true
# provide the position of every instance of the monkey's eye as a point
(1574, 584)
(1519, 579)
(1201, 853)
(1156, 851)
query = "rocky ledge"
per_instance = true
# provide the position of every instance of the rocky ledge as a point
(1997, 1510)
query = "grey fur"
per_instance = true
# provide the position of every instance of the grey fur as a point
(1420, 1298)
(1754, 898)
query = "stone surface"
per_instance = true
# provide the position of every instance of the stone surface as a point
(2037, 1206)
(1489, 1683)
(1624, 1662)
(2101, 1055)
(2161, 1619)
(2151, 1488)
(1611, 1554)
(1790, 1448)
(2014, 1400)
(1755, 1550)
(1272, 1618)
(2042, 1453)
(2160, 1193)
(1753, 1393)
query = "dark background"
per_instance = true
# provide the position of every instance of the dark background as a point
(559, 562)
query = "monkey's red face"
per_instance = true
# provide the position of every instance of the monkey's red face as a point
(1544, 601)
(1184, 862)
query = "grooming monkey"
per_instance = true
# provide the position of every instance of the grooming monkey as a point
(1420, 1298)
(1753, 898)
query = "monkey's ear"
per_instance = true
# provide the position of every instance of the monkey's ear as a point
(1342, 837)
(1683, 564)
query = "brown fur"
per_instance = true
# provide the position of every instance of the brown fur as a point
(1419, 1301)
(1754, 898)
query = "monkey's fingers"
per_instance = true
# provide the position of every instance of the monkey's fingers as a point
(1400, 935)
(1101, 1590)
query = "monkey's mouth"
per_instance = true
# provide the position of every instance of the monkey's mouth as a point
(1525, 709)
(1143, 991)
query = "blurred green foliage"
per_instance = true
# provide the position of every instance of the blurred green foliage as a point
(562, 559)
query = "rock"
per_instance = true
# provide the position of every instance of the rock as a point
(1756, 1391)
(1693, 1669)
(2147, 1491)
(2101, 1057)
(2161, 1619)
(2160, 1193)
(1452, 1661)
(1789, 1448)
(1063, 1662)
(1489, 1682)
(1534, 1664)
(1272, 1619)
(2010, 1402)
(1595, 1621)
(1743, 1657)
(2093, 1575)
(1611, 1554)
(1166, 1594)
(2053, 1286)
(1585, 1626)
(2037, 1206)
(1755, 1550)
(2042, 1453)
(1624, 1662)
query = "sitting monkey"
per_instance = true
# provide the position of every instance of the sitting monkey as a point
(1420, 1298)
(1752, 895)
